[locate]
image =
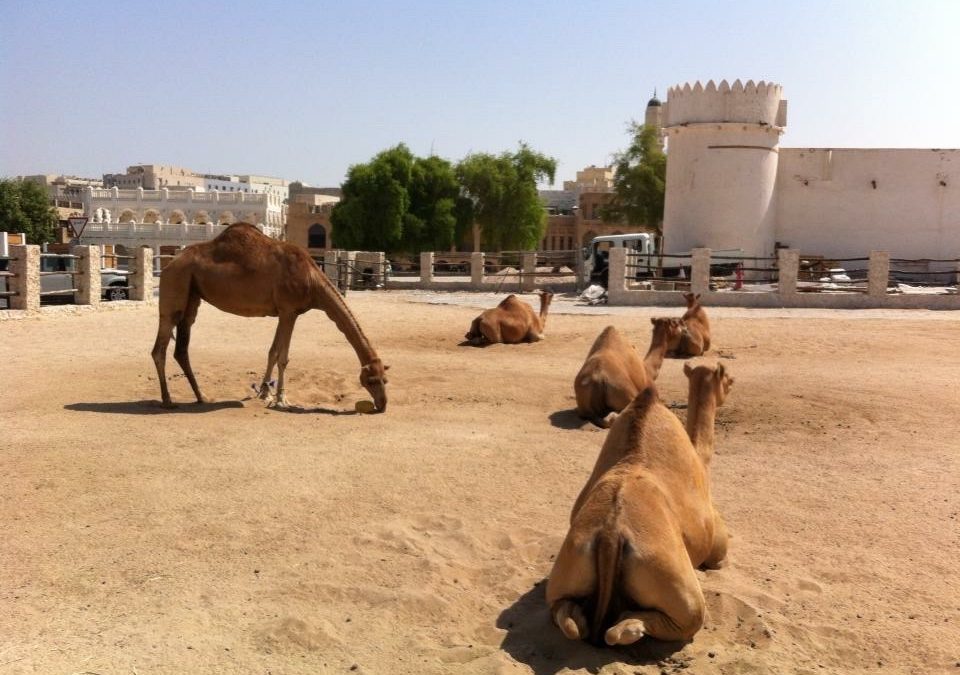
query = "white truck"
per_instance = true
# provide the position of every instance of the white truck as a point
(647, 261)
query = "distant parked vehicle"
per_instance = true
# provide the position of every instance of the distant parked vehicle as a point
(113, 282)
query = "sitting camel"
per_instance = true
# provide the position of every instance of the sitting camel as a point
(642, 524)
(614, 373)
(244, 272)
(696, 336)
(510, 322)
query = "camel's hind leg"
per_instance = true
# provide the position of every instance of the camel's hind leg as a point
(264, 391)
(159, 354)
(181, 351)
(668, 585)
(718, 552)
(571, 581)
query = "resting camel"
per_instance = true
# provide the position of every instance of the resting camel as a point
(244, 272)
(614, 373)
(510, 322)
(642, 524)
(696, 336)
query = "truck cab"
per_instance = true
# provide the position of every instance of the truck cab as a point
(596, 254)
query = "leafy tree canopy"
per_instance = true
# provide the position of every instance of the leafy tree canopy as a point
(502, 190)
(639, 182)
(399, 202)
(25, 207)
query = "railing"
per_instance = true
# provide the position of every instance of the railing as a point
(748, 274)
(834, 275)
(68, 269)
(125, 272)
(906, 275)
(5, 292)
(556, 265)
(670, 271)
(451, 264)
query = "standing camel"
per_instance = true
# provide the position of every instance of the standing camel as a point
(643, 523)
(510, 322)
(246, 273)
(614, 373)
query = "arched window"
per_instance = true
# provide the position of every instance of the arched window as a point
(316, 236)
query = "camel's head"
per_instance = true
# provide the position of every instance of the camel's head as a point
(373, 377)
(691, 299)
(713, 375)
(668, 330)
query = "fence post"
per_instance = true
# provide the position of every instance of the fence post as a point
(788, 271)
(426, 267)
(26, 284)
(700, 271)
(330, 267)
(87, 275)
(617, 275)
(528, 271)
(878, 272)
(379, 269)
(141, 281)
(348, 263)
(477, 261)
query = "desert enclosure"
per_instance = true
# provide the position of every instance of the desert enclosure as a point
(231, 538)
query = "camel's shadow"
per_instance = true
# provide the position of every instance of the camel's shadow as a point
(153, 407)
(534, 640)
(569, 419)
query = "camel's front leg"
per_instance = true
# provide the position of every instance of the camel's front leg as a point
(282, 341)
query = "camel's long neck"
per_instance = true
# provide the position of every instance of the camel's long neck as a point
(701, 416)
(330, 301)
(655, 355)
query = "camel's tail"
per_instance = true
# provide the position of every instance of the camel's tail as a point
(545, 298)
(608, 551)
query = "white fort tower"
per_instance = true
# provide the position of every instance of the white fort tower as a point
(722, 144)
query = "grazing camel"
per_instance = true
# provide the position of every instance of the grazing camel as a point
(643, 523)
(510, 322)
(244, 272)
(696, 337)
(614, 373)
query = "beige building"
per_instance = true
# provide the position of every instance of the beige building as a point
(154, 177)
(308, 217)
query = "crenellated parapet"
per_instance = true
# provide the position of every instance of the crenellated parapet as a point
(751, 103)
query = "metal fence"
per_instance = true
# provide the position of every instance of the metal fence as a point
(5, 273)
(928, 275)
(834, 275)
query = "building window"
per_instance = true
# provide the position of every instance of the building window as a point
(316, 236)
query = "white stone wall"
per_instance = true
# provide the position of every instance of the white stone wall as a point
(827, 203)
(161, 205)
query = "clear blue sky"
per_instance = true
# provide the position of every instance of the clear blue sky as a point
(302, 90)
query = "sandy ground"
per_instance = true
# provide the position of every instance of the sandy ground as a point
(228, 538)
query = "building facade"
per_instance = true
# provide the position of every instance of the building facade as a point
(308, 217)
(731, 186)
(154, 177)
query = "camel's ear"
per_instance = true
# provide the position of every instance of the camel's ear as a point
(687, 370)
(386, 367)
(696, 297)
(653, 320)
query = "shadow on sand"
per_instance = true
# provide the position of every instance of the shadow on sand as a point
(534, 640)
(569, 419)
(151, 407)
(154, 408)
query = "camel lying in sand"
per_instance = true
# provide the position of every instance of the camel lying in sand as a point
(696, 337)
(510, 322)
(244, 272)
(614, 373)
(643, 523)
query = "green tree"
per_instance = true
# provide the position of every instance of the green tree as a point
(25, 207)
(504, 202)
(399, 203)
(638, 183)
